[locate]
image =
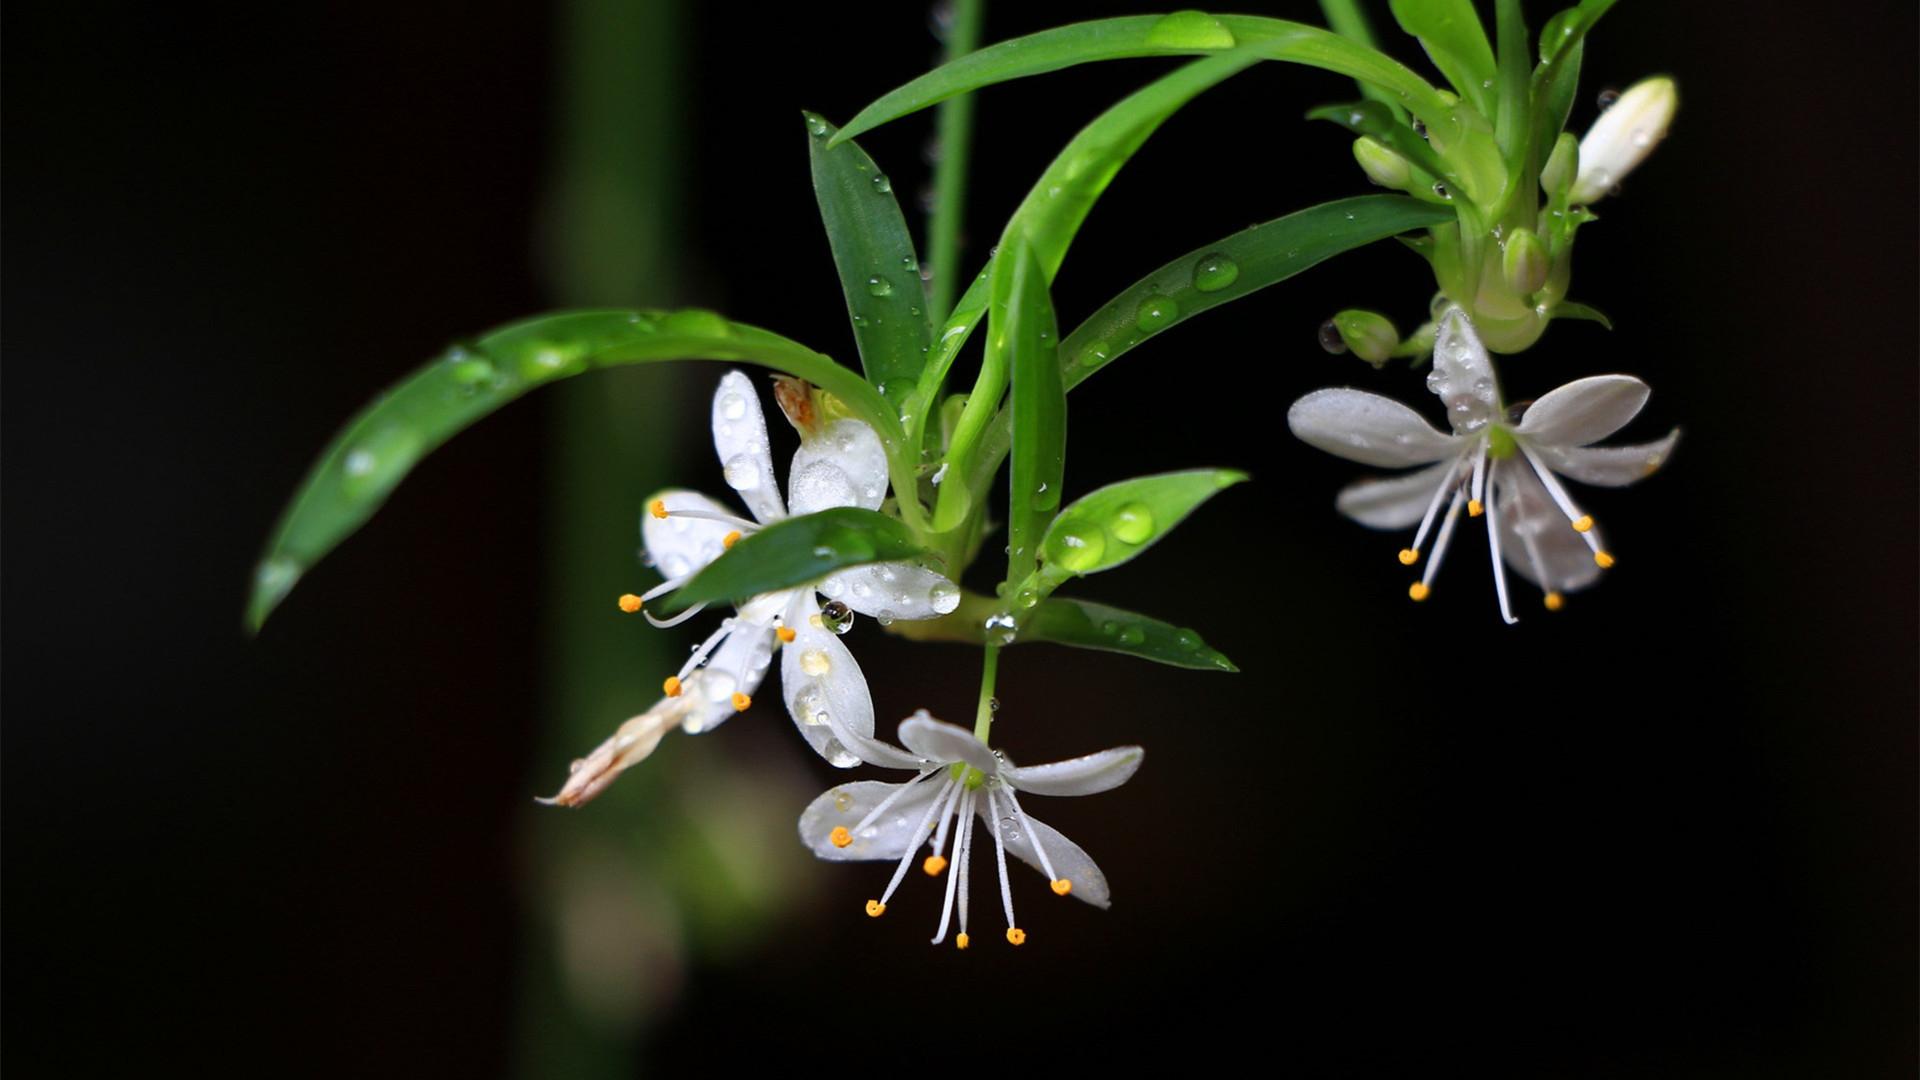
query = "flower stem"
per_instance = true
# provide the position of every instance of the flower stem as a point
(950, 171)
(983, 717)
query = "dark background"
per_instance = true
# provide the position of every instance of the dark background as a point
(1669, 831)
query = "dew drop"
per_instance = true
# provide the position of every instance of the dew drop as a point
(816, 662)
(1156, 312)
(943, 597)
(696, 322)
(1330, 338)
(1132, 635)
(1607, 98)
(1419, 127)
(1215, 272)
(879, 286)
(842, 801)
(816, 126)
(837, 616)
(1187, 640)
(836, 754)
(1132, 523)
(742, 472)
(881, 184)
(1001, 628)
(1190, 30)
(733, 406)
(1077, 545)
(1440, 189)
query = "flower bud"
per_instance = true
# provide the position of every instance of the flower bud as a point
(1623, 136)
(1382, 166)
(1562, 165)
(1525, 262)
(1370, 335)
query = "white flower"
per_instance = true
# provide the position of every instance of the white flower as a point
(1531, 520)
(959, 779)
(1623, 137)
(841, 463)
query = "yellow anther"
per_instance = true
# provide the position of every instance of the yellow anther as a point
(960, 941)
(1062, 887)
(671, 686)
(1418, 590)
(1409, 556)
(740, 702)
(1016, 936)
(1583, 523)
(658, 508)
(1475, 508)
(876, 909)
(934, 865)
(630, 603)
(786, 634)
(1555, 601)
(1603, 560)
(730, 539)
(839, 837)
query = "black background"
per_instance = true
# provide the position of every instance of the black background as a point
(1669, 831)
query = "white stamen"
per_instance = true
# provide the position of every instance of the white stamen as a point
(1433, 505)
(1000, 856)
(665, 587)
(706, 647)
(1499, 564)
(1559, 495)
(1480, 473)
(742, 524)
(953, 879)
(677, 619)
(1027, 828)
(1533, 556)
(926, 819)
(1446, 534)
(946, 818)
(964, 865)
(890, 800)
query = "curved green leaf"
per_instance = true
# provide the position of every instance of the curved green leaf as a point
(1235, 266)
(1455, 42)
(1372, 119)
(1178, 34)
(1109, 527)
(1084, 624)
(873, 252)
(1024, 326)
(796, 551)
(381, 445)
(1348, 19)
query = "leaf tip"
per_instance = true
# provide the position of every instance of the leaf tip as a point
(1226, 478)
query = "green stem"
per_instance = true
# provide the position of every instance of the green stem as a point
(983, 717)
(955, 125)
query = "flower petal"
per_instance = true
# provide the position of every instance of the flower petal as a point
(678, 546)
(1367, 428)
(939, 741)
(740, 438)
(1533, 527)
(827, 695)
(1392, 502)
(1087, 775)
(893, 590)
(845, 465)
(847, 805)
(736, 667)
(1068, 860)
(1623, 137)
(1463, 374)
(1583, 411)
(1609, 466)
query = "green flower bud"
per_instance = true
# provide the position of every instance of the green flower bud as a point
(1370, 335)
(1382, 166)
(1525, 262)
(1562, 166)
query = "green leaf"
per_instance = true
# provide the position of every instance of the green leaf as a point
(1023, 325)
(873, 251)
(1456, 42)
(1372, 119)
(1182, 33)
(1235, 266)
(1568, 309)
(1348, 19)
(795, 551)
(1511, 111)
(381, 445)
(1110, 526)
(1084, 624)
(1557, 77)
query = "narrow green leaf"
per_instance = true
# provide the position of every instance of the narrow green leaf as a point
(1456, 42)
(1084, 624)
(1568, 309)
(1235, 266)
(1557, 77)
(1023, 325)
(1110, 526)
(879, 272)
(1511, 110)
(381, 445)
(1348, 19)
(1372, 119)
(1182, 33)
(796, 551)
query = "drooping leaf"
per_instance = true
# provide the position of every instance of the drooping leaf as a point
(1349, 19)
(879, 272)
(1024, 327)
(381, 445)
(1235, 266)
(1086, 625)
(795, 551)
(1455, 42)
(1181, 33)
(1568, 309)
(1112, 525)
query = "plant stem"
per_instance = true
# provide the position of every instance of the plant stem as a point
(955, 125)
(983, 716)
